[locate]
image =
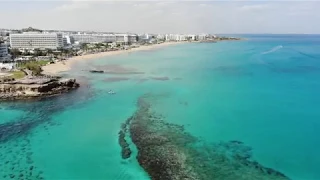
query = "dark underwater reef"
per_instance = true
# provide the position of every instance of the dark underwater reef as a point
(167, 152)
(16, 153)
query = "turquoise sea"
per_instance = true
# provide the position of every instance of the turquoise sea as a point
(262, 91)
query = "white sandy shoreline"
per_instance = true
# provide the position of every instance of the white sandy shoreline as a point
(58, 67)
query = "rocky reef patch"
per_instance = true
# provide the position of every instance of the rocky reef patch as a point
(114, 69)
(160, 78)
(142, 80)
(125, 149)
(17, 161)
(17, 156)
(116, 79)
(167, 151)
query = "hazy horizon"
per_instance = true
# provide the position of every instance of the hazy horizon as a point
(216, 17)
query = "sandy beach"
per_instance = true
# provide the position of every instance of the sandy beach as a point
(58, 67)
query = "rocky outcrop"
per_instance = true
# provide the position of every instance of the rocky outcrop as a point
(35, 88)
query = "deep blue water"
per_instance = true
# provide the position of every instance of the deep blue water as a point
(262, 91)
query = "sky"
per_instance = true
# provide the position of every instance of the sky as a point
(172, 16)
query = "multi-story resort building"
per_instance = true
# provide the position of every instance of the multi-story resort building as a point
(32, 40)
(3, 52)
(192, 37)
(101, 38)
(69, 39)
(202, 37)
(175, 37)
(65, 41)
(161, 37)
(132, 38)
(88, 38)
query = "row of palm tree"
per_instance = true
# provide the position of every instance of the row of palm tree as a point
(63, 52)
(60, 52)
(97, 47)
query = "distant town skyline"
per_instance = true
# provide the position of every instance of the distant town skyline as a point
(230, 17)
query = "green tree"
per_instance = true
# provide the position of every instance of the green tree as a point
(15, 52)
(49, 51)
(84, 46)
(37, 52)
(26, 53)
(35, 68)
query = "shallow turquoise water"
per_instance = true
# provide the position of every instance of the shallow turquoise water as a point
(263, 92)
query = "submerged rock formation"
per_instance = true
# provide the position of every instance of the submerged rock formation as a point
(96, 71)
(167, 151)
(35, 88)
(125, 149)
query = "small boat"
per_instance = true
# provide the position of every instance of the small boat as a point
(111, 92)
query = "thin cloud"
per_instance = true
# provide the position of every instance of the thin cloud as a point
(72, 6)
(141, 5)
(164, 3)
(167, 16)
(254, 7)
(203, 5)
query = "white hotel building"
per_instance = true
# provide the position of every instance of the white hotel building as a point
(102, 38)
(203, 37)
(32, 40)
(176, 37)
(3, 52)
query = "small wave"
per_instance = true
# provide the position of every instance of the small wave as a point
(305, 54)
(273, 50)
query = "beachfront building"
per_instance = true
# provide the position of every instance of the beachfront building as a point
(91, 38)
(4, 56)
(105, 38)
(176, 37)
(202, 37)
(133, 38)
(192, 37)
(65, 41)
(144, 37)
(33, 40)
(161, 37)
(121, 38)
(170, 37)
(182, 37)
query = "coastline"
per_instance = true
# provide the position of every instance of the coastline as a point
(53, 69)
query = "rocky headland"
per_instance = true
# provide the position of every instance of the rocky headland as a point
(35, 87)
(167, 151)
(224, 38)
(221, 38)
